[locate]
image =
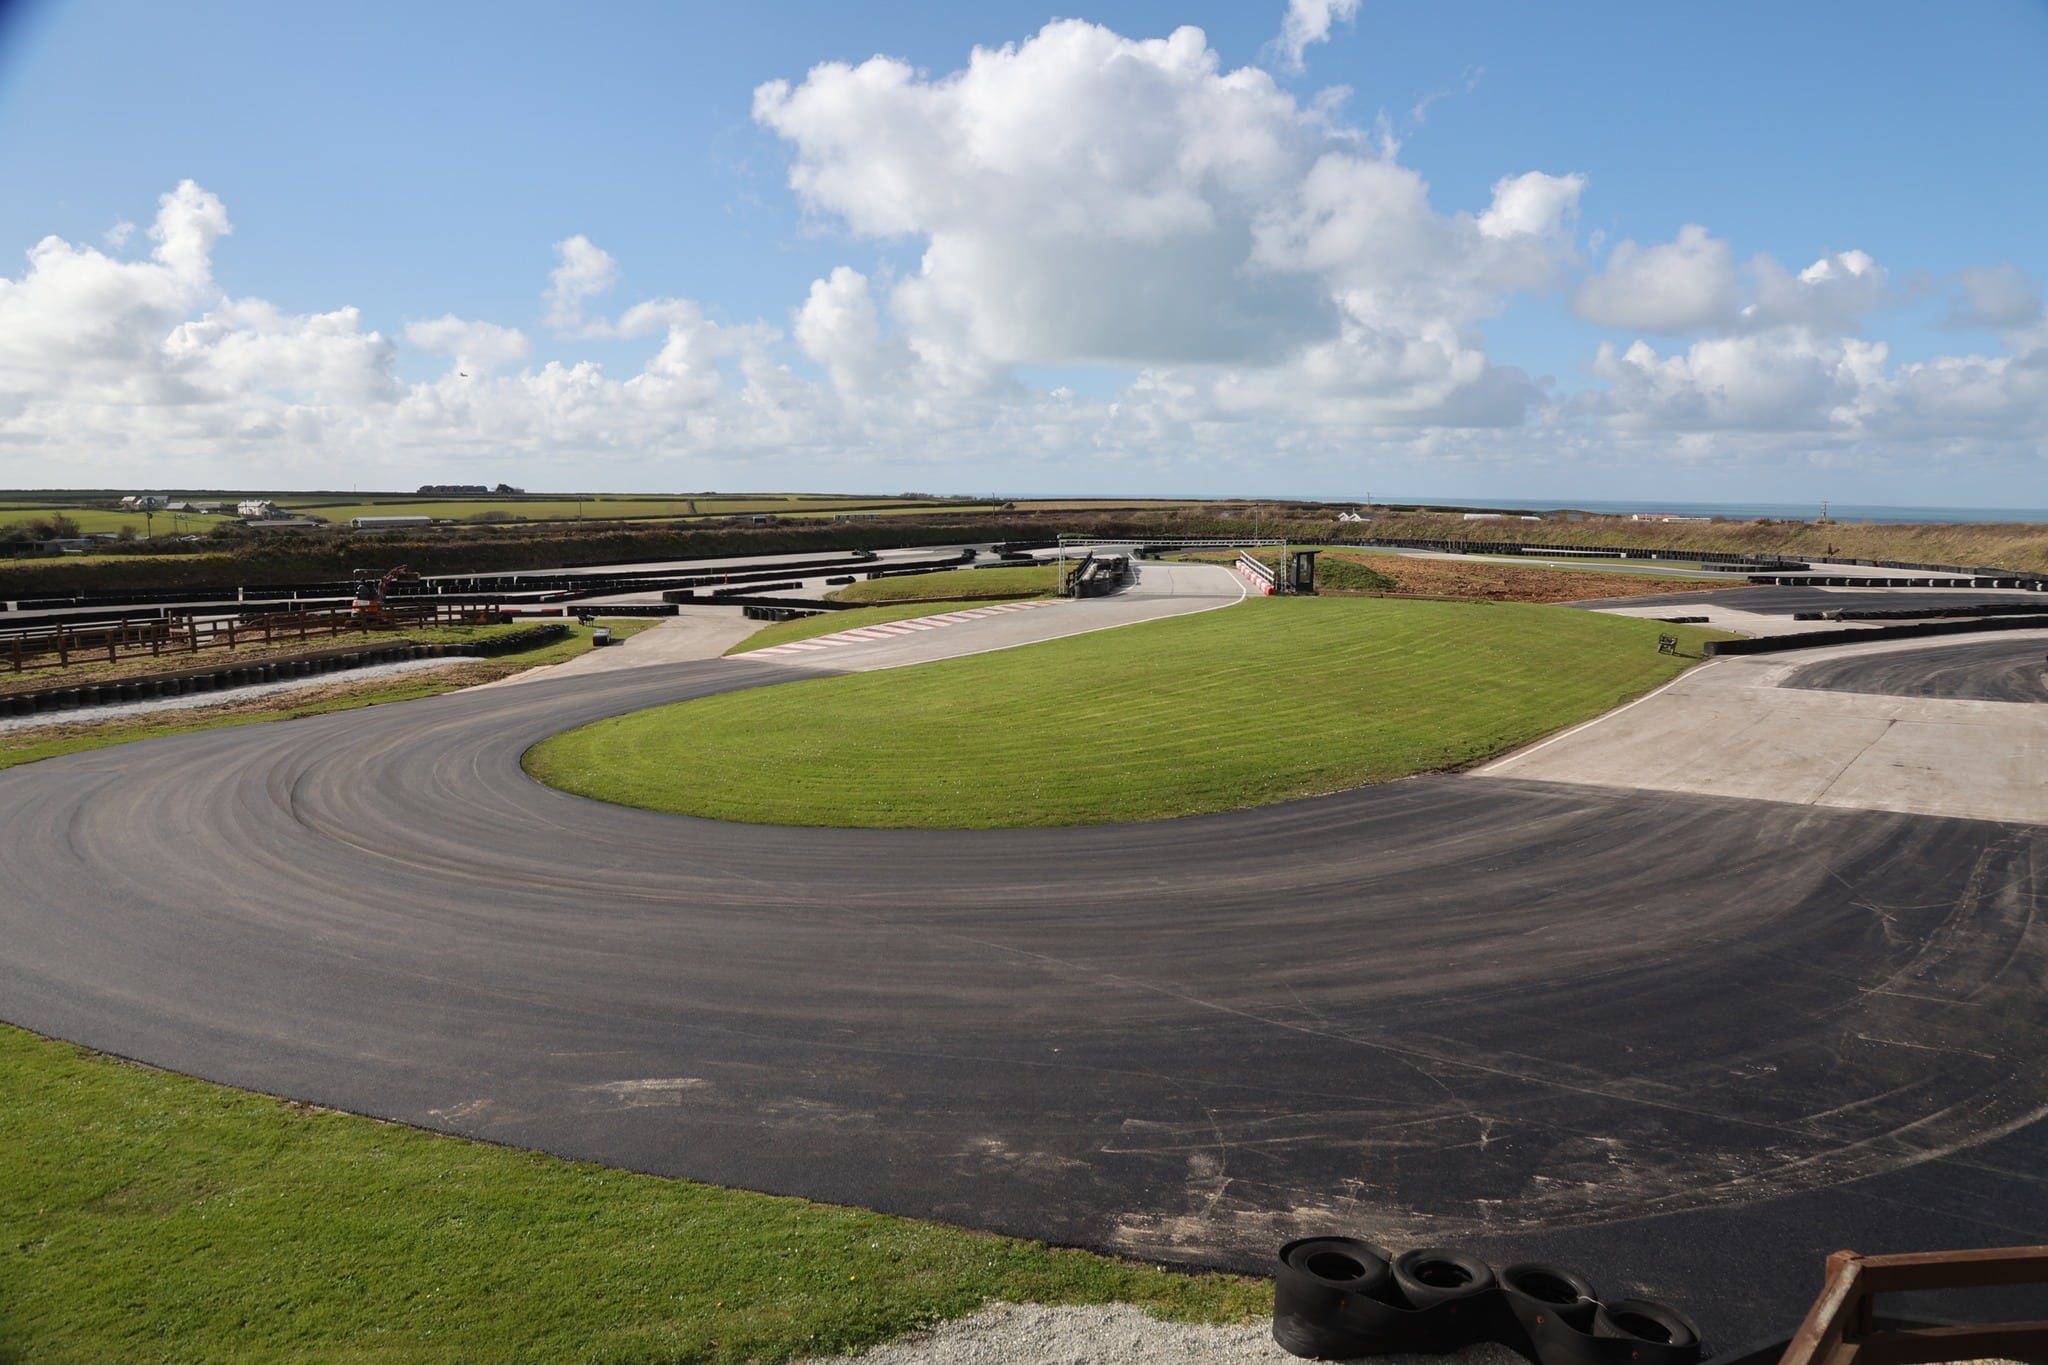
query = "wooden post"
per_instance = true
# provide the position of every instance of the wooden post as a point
(192, 629)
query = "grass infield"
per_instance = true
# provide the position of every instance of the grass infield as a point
(954, 585)
(1274, 699)
(153, 1217)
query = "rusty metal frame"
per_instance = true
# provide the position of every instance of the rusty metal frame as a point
(1841, 1327)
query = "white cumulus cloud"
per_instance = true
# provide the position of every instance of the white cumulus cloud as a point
(1263, 292)
(1306, 23)
(582, 271)
(475, 347)
(1999, 297)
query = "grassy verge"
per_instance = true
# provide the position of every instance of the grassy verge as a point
(956, 585)
(1271, 700)
(154, 1217)
(82, 732)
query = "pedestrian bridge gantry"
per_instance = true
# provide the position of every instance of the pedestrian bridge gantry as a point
(1089, 565)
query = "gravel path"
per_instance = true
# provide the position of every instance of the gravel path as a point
(1115, 1334)
(225, 696)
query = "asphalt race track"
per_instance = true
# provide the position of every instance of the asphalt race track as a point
(1690, 1043)
(1999, 670)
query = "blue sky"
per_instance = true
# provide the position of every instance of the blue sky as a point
(1089, 265)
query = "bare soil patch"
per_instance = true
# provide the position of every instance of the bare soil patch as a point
(1519, 583)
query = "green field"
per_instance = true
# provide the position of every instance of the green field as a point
(1274, 699)
(605, 508)
(953, 585)
(99, 521)
(153, 1217)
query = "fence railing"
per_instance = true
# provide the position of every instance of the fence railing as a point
(105, 642)
(1844, 1327)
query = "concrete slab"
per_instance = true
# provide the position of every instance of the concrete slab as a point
(695, 633)
(1720, 617)
(1734, 727)
(1162, 590)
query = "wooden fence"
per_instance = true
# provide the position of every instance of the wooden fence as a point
(63, 646)
(1843, 1328)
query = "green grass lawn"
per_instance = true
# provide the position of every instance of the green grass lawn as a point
(146, 1216)
(1277, 698)
(954, 585)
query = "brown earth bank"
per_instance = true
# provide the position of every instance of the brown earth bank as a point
(1993, 546)
(1515, 583)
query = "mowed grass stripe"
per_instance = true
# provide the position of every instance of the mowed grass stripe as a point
(955, 585)
(154, 1217)
(1264, 702)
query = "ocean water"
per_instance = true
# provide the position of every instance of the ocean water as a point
(1776, 511)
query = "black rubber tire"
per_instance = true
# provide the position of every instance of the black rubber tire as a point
(1657, 1333)
(1549, 1315)
(1343, 1263)
(1555, 1289)
(1428, 1276)
(1324, 1304)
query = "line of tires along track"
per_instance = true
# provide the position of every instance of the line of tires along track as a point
(1544, 1020)
(1341, 1298)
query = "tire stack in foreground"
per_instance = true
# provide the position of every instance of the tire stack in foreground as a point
(1339, 1298)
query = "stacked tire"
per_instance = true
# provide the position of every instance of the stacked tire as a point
(1340, 1298)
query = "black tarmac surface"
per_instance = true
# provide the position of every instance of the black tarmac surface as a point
(1690, 1044)
(1785, 601)
(1999, 670)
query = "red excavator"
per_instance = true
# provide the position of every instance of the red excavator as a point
(372, 607)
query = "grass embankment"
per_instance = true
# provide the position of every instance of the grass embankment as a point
(954, 585)
(79, 732)
(1496, 581)
(154, 1217)
(1275, 699)
(1340, 570)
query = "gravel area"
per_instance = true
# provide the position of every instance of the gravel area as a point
(86, 715)
(1113, 1334)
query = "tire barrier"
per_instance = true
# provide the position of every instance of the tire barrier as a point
(1340, 1298)
(1771, 644)
(1920, 613)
